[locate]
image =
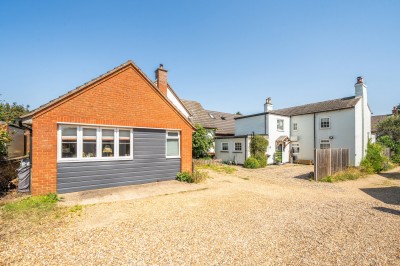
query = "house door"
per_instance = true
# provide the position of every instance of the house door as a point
(279, 152)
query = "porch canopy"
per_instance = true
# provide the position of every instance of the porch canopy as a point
(284, 140)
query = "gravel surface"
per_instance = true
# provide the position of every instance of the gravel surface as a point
(273, 216)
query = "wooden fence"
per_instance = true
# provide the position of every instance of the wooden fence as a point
(329, 161)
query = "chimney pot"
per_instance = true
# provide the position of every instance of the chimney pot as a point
(268, 105)
(360, 80)
(161, 66)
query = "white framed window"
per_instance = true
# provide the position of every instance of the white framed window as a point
(325, 144)
(173, 145)
(294, 126)
(224, 146)
(90, 143)
(279, 125)
(238, 146)
(295, 147)
(325, 122)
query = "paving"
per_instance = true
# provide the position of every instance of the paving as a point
(273, 216)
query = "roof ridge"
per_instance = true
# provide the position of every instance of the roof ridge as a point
(343, 98)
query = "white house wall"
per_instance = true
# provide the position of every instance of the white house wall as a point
(248, 125)
(342, 130)
(171, 96)
(305, 136)
(231, 154)
(273, 134)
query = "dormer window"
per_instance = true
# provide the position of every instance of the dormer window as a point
(211, 115)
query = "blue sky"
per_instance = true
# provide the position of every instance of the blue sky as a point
(228, 55)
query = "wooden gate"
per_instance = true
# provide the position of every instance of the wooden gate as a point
(329, 161)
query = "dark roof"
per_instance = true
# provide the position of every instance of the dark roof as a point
(375, 120)
(331, 105)
(224, 123)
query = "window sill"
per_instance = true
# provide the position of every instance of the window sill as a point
(172, 157)
(224, 151)
(237, 151)
(75, 160)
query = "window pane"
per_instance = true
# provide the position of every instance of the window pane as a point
(68, 149)
(107, 142)
(89, 145)
(173, 134)
(225, 146)
(238, 146)
(172, 147)
(69, 133)
(124, 143)
(69, 142)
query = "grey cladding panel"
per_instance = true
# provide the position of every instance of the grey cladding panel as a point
(148, 165)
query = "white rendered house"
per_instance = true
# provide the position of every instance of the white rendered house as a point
(296, 131)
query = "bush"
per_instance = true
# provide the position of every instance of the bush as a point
(184, 177)
(374, 161)
(199, 176)
(258, 145)
(262, 160)
(202, 141)
(251, 163)
(350, 173)
(395, 158)
(196, 177)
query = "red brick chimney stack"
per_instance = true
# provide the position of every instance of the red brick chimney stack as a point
(162, 79)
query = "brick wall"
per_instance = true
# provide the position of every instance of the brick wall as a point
(123, 99)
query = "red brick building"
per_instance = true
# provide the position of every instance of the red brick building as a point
(118, 129)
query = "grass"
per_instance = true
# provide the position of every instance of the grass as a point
(34, 208)
(351, 173)
(34, 203)
(218, 168)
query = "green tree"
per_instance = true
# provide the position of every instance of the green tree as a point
(390, 127)
(11, 112)
(238, 113)
(202, 142)
(5, 138)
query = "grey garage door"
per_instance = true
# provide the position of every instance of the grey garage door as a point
(148, 165)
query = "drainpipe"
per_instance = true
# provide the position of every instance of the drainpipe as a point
(315, 141)
(245, 148)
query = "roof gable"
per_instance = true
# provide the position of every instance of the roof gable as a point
(78, 90)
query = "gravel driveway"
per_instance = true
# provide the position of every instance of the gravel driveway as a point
(273, 216)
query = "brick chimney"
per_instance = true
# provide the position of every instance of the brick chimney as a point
(268, 106)
(162, 79)
(395, 110)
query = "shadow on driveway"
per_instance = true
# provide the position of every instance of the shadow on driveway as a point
(388, 210)
(388, 195)
(391, 175)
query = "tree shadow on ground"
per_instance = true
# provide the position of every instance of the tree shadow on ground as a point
(388, 210)
(391, 175)
(388, 195)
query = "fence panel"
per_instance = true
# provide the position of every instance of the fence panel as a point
(329, 161)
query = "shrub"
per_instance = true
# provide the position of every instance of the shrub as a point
(251, 163)
(184, 177)
(350, 173)
(395, 158)
(258, 145)
(374, 161)
(262, 159)
(199, 176)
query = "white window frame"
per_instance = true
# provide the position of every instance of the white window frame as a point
(173, 137)
(298, 148)
(320, 122)
(277, 125)
(222, 146)
(234, 146)
(99, 153)
(295, 126)
(325, 142)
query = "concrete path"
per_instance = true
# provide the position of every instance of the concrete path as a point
(127, 193)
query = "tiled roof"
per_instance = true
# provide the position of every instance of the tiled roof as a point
(331, 105)
(375, 120)
(224, 123)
